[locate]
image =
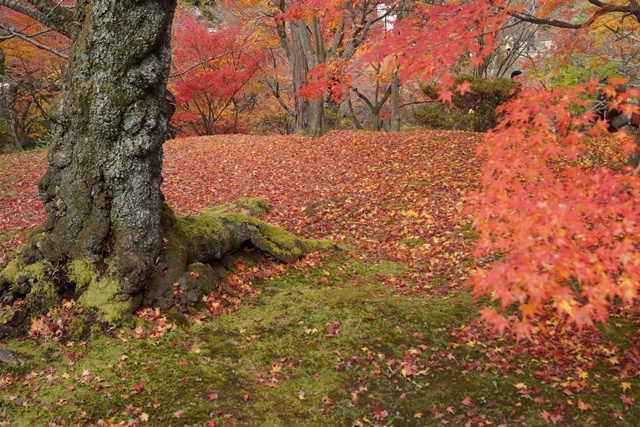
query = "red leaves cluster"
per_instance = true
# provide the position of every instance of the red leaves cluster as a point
(565, 223)
(433, 38)
(211, 68)
(332, 78)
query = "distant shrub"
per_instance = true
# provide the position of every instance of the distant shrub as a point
(335, 118)
(473, 111)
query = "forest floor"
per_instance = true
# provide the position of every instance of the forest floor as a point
(383, 333)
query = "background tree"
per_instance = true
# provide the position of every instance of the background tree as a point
(9, 140)
(276, 78)
(212, 68)
(323, 35)
(35, 56)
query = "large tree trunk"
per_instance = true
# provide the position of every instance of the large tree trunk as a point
(108, 237)
(102, 186)
(101, 189)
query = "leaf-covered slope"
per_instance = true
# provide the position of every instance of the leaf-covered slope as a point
(396, 196)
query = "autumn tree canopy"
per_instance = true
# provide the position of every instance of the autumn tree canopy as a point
(562, 231)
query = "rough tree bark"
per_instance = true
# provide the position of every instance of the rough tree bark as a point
(9, 141)
(395, 102)
(101, 189)
(316, 124)
(107, 235)
(300, 68)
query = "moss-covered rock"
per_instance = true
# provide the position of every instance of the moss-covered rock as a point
(194, 244)
(34, 282)
(105, 294)
(275, 241)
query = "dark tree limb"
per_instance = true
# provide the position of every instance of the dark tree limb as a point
(49, 13)
(604, 9)
(12, 32)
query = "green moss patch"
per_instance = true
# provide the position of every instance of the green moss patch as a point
(323, 346)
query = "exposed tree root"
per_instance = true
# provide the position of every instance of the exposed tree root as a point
(191, 246)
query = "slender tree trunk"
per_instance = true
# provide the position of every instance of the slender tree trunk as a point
(395, 102)
(375, 119)
(9, 140)
(352, 114)
(300, 69)
(316, 123)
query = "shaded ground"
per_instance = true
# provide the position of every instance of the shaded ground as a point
(380, 335)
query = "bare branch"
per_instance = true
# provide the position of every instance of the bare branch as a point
(48, 12)
(363, 97)
(29, 39)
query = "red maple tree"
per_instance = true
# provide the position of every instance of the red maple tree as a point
(212, 67)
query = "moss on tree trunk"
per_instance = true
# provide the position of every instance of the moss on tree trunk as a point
(105, 226)
(191, 244)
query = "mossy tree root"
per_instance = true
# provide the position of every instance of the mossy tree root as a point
(191, 246)
(194, 243)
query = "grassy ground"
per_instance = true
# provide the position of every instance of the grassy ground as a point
(323, 346)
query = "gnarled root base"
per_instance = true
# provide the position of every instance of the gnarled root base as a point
(190, 246)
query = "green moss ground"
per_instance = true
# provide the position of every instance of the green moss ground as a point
(324, 347)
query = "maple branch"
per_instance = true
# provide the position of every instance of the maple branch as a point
(604, 10)
(363, 27)
(338, 38)
(406, 104)
(321, 54)
(275, 85)
(363, 97)
(379, 103)
(206, 61)
(385, 96)
(12, 32)
(276, 93)
(49, 13)
(281, 29)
